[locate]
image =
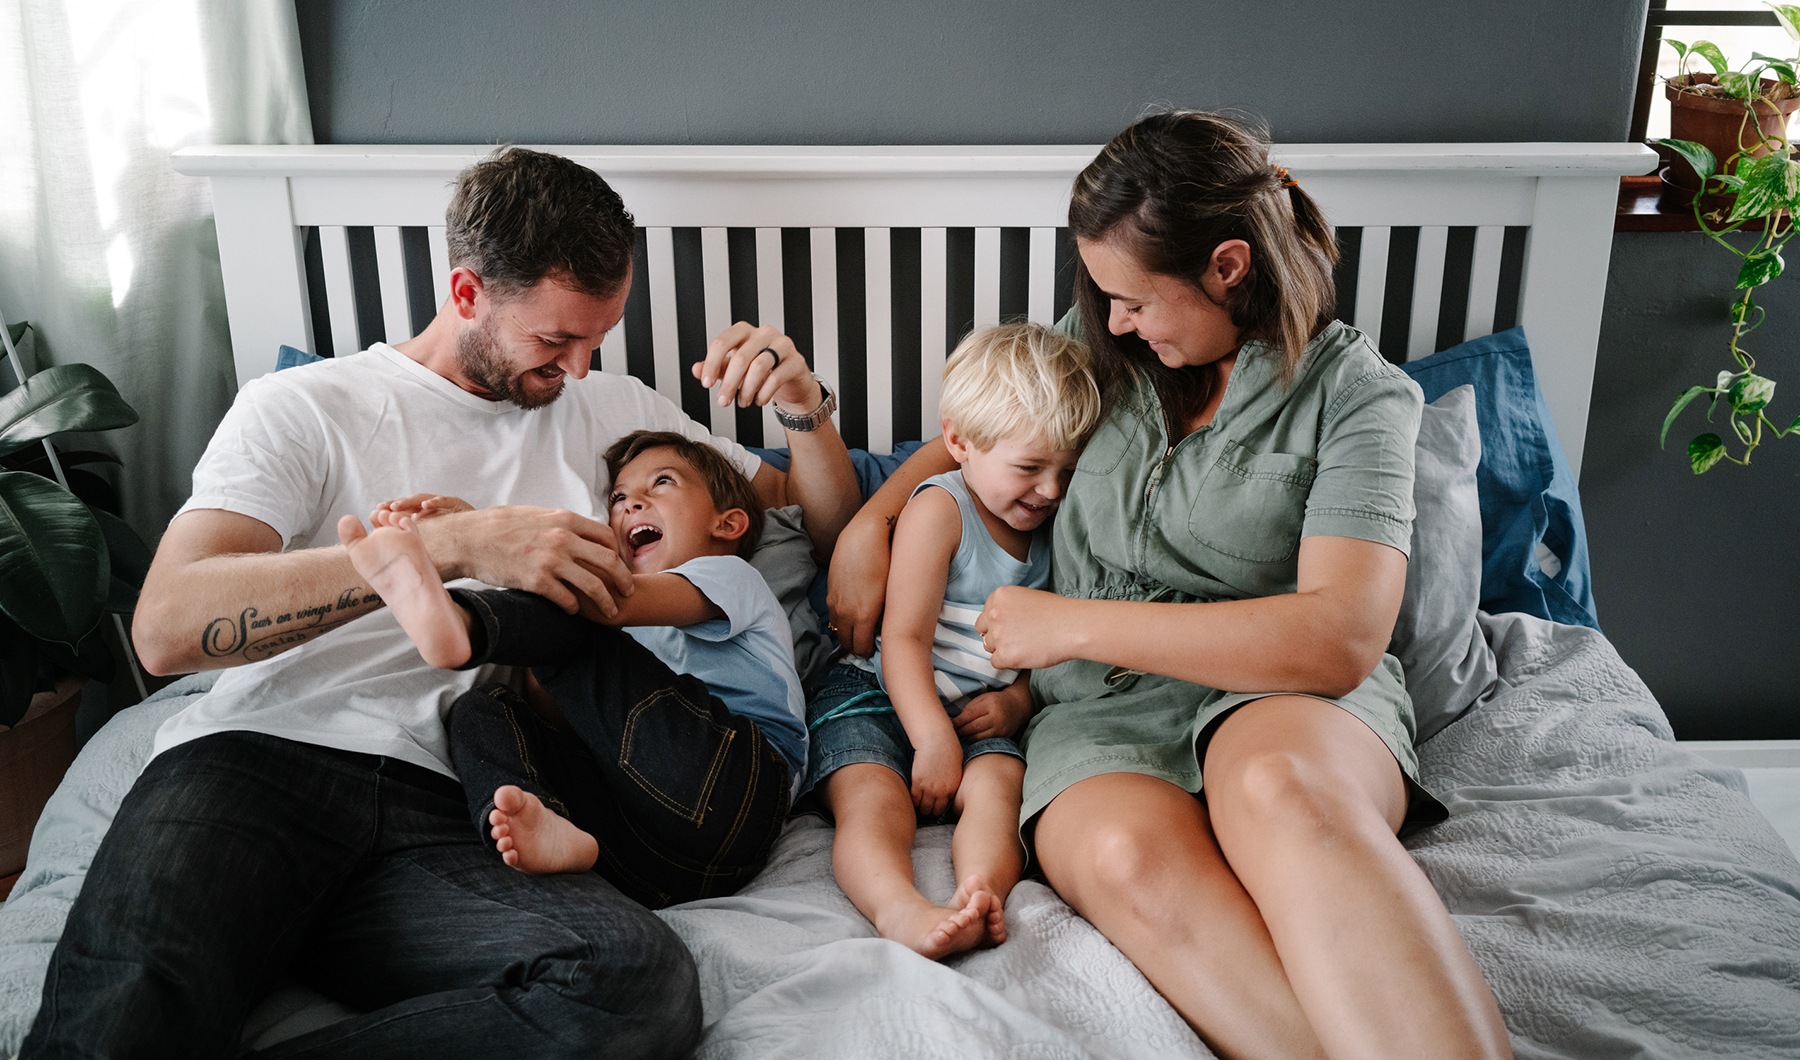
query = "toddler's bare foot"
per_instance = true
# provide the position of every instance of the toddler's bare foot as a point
(396, 565)
(938, 931)
(531, 837)
(994, 921)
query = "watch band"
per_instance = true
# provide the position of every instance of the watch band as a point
(810, 421)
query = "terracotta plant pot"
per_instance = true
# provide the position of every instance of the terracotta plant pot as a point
(1717, 122)
(34, 754)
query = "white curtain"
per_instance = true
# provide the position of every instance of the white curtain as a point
(104, 247)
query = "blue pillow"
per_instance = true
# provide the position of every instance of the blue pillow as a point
(872, 469)
(290, 357)
(1527, 489)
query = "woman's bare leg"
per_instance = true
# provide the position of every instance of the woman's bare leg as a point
(871, 856)
(1136, 856)
(985, 847)
(1305, 799)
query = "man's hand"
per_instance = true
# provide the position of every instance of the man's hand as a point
(561, 556)
(756, 365)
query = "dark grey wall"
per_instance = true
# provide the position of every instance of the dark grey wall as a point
(960, 71)
(1694, 579)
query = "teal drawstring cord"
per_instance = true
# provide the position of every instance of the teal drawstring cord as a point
(849, 709)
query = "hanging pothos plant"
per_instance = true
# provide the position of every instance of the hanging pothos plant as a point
(1748, 192)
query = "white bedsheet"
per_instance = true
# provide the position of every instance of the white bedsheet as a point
(1621, 894)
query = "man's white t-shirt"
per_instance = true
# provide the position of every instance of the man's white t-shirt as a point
(303, 447)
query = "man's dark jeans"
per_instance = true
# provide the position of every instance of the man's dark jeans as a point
(241, 857)
(684, 797)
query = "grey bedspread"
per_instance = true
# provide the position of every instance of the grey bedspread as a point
(1623, 897)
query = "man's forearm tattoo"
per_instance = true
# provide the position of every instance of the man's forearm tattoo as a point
(255, 636)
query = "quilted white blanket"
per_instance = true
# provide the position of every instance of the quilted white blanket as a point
(1622, 896)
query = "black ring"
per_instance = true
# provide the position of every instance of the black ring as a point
(773, 352)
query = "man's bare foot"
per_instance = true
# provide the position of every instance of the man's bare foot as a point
(995, 920)
(394, 562)
(531, 837)
(937, 931)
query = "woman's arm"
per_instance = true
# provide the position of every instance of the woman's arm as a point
(925, 540)
(859, 568)
(1325, 638)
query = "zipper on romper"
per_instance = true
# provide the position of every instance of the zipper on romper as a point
(1156, 474)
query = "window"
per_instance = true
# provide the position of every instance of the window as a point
(1738, 28)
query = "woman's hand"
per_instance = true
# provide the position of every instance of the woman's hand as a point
(757, 365)
(936, 772)
(1024, 629)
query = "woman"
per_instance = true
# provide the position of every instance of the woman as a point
(1229, 564)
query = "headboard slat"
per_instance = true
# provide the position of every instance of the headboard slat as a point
(986, 222)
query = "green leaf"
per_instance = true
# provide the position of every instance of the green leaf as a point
(1687, 397)
(54, 566)
(129, 558)
(1697, 155)
(1789, 17)
(1710, 52)
(1681, 50)
(1771, 183)
(1704, 452)
(1750, 393)
(1760, 266)
(1784, 67)
(1740, 84)
(67, 397)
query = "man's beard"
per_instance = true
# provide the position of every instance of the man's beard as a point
(480, 358)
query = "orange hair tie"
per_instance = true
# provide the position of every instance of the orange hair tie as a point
(1286, 181)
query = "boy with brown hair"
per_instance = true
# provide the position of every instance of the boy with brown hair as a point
(659, 745)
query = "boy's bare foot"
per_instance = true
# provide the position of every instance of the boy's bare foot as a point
(938, 931)
(995, 920)
(396, 565)
(531, 837)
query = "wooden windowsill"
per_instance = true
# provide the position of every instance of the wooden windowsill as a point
(1641, 210)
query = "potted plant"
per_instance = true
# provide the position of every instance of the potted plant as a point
(66, 557)
(1745, 191)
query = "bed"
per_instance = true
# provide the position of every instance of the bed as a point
(1621, 892)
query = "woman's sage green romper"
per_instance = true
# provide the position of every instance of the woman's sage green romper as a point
(1219, 515)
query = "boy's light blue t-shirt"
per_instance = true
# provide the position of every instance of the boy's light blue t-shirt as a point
(745, 658)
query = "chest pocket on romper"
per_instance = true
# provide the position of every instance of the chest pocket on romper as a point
(1252, 505)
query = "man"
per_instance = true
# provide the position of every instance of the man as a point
(302, 817)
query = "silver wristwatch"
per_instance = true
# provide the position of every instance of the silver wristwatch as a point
(810, 421)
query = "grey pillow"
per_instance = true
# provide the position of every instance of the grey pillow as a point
(1448, 663)
(784, 557)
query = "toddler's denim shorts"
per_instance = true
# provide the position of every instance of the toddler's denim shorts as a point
(851, 720)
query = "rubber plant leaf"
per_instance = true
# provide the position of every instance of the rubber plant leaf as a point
(67, 397)
(54, 566)
(1687, 397)
(130, 559)
(1704, 452)
(1697, 155)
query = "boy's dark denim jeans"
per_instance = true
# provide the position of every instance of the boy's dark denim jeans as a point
(684, 797)
(238, 858)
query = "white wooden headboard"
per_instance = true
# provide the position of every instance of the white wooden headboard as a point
(877, 258)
